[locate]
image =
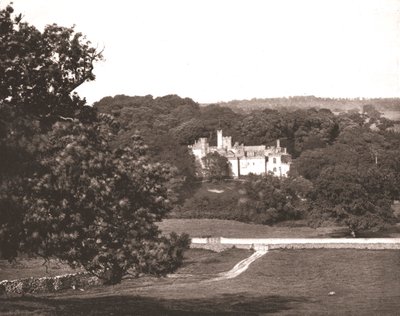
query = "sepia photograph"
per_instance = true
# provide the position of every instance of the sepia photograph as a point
(199, 157)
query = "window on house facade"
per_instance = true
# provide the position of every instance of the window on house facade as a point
(274, 160)
(274, 169)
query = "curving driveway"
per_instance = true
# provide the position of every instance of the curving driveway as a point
(241, 266)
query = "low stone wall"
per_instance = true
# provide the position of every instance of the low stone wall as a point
(335, 246)
(213, 247)
(220, 243)
(49, 284)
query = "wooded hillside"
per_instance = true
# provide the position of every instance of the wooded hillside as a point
(305, 102)
(345, 164)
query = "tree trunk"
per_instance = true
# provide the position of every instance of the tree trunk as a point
(113, 275)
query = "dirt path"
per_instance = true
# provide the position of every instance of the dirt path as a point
(240, 267)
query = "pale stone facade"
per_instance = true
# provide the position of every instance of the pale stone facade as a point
(244, 160)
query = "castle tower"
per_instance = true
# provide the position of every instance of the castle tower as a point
(204, 146)
(219, 139)
(227, 142)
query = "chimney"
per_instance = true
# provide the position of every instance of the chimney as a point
(278, 143)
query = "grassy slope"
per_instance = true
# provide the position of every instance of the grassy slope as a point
(196, 228)
(226, 228)
(196, 261)
(365, 282)
(205, 262)
(284, 282)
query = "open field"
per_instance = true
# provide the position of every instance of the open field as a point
(283, 282)
(234, 229)
(290, 282)
(229, 228)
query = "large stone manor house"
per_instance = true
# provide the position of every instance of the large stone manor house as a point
(244, 160)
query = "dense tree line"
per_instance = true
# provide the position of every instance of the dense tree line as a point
(182, 121)
(306, 102)
(173, 122)
(255, 199)
(325, 146)
(355, 180)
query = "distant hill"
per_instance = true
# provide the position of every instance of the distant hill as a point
(384, 105)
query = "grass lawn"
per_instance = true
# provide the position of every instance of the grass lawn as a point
(228, 228)
(285, 282)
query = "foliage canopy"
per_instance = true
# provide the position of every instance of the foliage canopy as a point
(65, 190)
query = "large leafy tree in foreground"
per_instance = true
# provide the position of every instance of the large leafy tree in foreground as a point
(38, 74)
(64, 190)
(97, 207)
(39, 71)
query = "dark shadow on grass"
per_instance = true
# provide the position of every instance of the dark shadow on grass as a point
(386, 232)
(226, 304)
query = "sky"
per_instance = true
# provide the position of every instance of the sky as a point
(220, 50)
